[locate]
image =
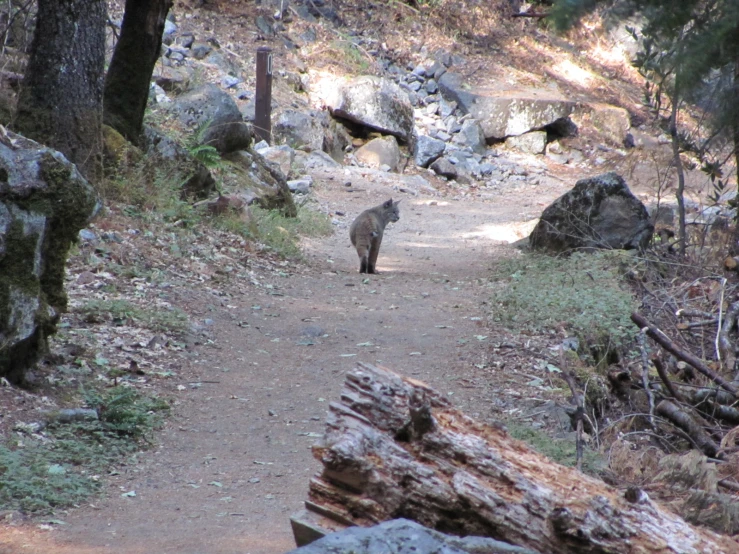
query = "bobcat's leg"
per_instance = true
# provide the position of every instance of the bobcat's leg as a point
(374, 251)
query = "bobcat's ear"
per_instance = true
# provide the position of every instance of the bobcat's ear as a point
(398, 202)
(388, 203)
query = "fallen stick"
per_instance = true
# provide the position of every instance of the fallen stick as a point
(660, 338)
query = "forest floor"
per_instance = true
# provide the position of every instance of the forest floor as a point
(233, 461)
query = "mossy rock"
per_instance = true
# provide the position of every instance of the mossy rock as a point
(44, 202)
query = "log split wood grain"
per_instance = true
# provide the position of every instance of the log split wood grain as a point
(394, 447)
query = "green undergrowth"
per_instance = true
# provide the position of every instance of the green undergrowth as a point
(123, 312)
(282, 234)
(153, 195)
(584, 294)
(561, 451)
(62, 464)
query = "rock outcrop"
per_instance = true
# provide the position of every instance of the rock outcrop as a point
(213, 112)
(376, 103)
(44, 202)
(503, 116)
(599, 212)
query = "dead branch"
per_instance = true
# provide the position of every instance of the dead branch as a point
(682, 420)
(579, 413)
(645, 377)
(665, 379)
(660, 338)
(394, 446)
(538, 15)
(724, 344)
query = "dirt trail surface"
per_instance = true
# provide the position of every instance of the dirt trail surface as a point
(234, 460)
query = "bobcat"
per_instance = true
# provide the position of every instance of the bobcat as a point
(366, 232)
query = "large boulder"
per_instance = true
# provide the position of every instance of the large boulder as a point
(300, 130)
(209, 106)
(428, 150)
(374, 102)
(262, 182)
(196, 180)
(44, 202)
(599, 212)
(611, 123)
(380, 151)
(503, 116)
(403, 536)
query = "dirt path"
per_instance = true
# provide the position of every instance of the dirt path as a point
(233, 463)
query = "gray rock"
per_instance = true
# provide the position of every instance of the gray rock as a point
(376, 103)
(610, 122)
(262, 181)
(209, 105)
(446, 107)
(169, 27)
(313, 160)
(534, 142)
(172, 79)
(44, 203)
(336, 140)
(402, 536)
(427, 150)
(230, 82)
(200, 50)
(502, 117)
(470, 135)
(299, 129)
(265, 26)
(444, 168)
(599, 212)
(431, 86)
(301, 186)
(282, 156)
(380, 151)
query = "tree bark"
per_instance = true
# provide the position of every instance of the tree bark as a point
(394, 447)
(129, 75)
(60, 103)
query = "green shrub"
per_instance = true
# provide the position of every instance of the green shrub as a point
(61, 466)
(584, 293)
(121, 312)
(561, 451)
(282, 234)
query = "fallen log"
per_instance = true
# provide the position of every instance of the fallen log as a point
(394, 447)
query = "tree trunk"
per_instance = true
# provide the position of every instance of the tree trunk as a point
(60, 103)
(734, 246)
(129, 75)
(396, 448)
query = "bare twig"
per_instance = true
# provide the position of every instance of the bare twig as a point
(580, 411)
(645, 375)
(720, 318)
(665, 379)
(723, 344)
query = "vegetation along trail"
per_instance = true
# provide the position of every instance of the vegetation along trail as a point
(233, 462)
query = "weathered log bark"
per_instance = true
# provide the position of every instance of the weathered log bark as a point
(394, 447)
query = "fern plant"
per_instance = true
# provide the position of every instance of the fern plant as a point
(205, 153)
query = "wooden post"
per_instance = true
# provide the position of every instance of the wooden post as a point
(263, 108)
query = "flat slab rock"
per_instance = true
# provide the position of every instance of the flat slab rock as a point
(402, 536)
(505, 115)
